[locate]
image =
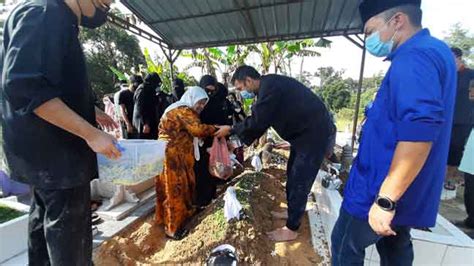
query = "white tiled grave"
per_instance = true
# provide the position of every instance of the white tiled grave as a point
(13, 233)
(445, 245)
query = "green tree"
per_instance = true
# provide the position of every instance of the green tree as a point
(336, 95)
(462, 38)
(161, 66)
(109, 47)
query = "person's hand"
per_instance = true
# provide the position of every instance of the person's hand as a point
(129, 128)
(223, 131)
(146, 129)
(380, 221)
(103, 143)
(105, 121)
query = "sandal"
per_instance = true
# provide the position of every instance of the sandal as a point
(179, 234)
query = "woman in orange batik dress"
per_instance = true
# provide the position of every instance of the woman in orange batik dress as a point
(181, 128)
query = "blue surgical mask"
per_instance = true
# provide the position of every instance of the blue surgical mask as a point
(376, 46)
(247, 95)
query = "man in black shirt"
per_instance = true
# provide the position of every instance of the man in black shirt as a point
(299, 117)
(463, 119)
(126, 104)
(49, 118)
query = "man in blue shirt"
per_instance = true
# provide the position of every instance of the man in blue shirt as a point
(396, 180)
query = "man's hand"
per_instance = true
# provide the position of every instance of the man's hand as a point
(146, 129)
(380, 221)
(103, 143)
(105, 121)
(223, 131)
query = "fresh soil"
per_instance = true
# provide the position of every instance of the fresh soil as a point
(259, 194)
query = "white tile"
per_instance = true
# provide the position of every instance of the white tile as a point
(427, 253)
(375, 256)
(458, 256)
(21, 259)
(368, 252)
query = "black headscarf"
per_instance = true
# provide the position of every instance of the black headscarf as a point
(207, 80)
(178, 88)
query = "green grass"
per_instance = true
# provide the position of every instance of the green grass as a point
(7, 214)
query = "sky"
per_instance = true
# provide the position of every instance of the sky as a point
(438, 17)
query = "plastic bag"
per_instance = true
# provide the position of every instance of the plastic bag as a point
(232, 206)
(223, 255)
(257, 163)
(220, 164)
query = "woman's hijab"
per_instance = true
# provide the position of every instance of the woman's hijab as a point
(189, 98)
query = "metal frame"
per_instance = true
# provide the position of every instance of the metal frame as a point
(360, 42)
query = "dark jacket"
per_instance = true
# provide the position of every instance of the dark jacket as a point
(144, 112)
(218, 110)
(464, 108)
(292, 109)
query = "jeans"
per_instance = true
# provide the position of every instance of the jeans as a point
(351, 236)
(60, 227)
(302, 170)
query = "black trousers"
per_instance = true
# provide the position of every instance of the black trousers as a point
(303, 167)
(60, 227)
(469, 198)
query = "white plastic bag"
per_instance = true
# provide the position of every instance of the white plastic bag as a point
(257, 163)
(232, 206)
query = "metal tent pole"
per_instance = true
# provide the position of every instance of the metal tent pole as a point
(359, 91)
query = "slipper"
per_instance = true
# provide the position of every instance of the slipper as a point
(95, 230)
(94, 216)
(179, 234)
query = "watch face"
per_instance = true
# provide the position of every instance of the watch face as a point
(384, 203)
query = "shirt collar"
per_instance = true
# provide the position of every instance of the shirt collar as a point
(409, 43)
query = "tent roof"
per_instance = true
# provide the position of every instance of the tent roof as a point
(185, 24)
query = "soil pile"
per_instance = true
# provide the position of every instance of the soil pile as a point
(259, 194)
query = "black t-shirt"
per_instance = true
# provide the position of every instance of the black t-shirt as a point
(126, 98)
(464, 108)
(41, 59)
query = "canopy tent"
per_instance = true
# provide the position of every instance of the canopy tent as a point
(188, 24)
(185, 24)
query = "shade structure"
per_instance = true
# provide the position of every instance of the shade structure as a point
(186, 24)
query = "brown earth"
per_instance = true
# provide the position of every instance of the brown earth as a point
(259, 194)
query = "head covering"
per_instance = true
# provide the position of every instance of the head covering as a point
(178, 88)
(189, 99)
(207, 80)
(153, 79)
(136, 80)
(456, 51)
(371, 8)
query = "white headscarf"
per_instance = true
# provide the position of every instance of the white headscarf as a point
(189, 99)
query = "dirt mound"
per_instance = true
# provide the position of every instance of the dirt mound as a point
(259, 194)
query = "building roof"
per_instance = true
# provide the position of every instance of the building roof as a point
(185, 24)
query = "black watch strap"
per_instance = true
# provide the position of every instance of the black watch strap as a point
(385, 203)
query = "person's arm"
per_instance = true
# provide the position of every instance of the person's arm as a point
(56, 112)
(417, 94)
(123, 113)
(193, 125)
(263, 113)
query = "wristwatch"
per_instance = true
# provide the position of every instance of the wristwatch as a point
(385, 203)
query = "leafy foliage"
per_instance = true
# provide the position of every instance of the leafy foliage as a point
(463, 39)
(107, 48)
